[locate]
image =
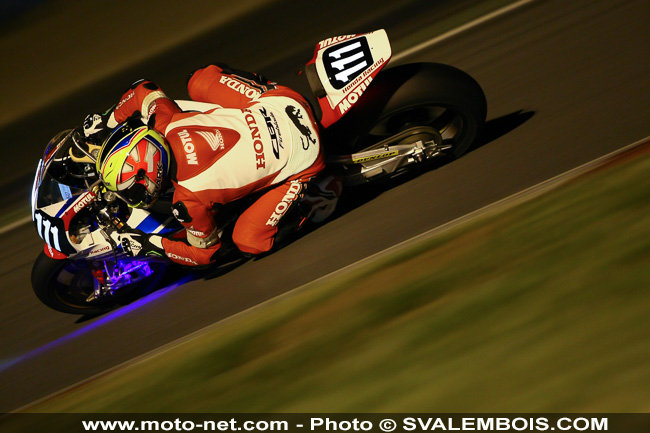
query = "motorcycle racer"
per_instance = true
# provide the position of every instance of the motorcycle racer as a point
(258, 138)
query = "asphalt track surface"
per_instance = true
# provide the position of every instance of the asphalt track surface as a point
(566, 82)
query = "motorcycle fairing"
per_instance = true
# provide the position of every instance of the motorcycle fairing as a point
(343, 67)
(55, 205)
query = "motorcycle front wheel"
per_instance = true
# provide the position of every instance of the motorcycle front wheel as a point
(65, 285)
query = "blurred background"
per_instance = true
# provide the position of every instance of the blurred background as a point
(65, 59)
(566, 82)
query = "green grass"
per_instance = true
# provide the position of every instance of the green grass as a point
(543, 307)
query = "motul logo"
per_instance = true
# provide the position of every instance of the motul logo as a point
(188, 147)
(332, 41)
(85, 201)
(353, 97)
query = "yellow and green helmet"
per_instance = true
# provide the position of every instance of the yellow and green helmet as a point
(134, 162)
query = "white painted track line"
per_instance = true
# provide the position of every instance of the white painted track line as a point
(463, 28)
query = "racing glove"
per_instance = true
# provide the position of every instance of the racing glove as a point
(95, 129)
(136, 243)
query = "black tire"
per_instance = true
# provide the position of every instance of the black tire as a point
(416, 94)
(70, 296)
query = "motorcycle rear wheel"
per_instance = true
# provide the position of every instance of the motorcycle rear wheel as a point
(416, 94)
(64, 285)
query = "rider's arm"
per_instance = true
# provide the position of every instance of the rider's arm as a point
(187, 248)
(146, 99)
(201, 229)
(230, 88)
(181, 252)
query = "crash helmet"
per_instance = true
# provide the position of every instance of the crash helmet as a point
(134, 163)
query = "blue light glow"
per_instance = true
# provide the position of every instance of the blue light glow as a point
(103, 320)
(126, 268)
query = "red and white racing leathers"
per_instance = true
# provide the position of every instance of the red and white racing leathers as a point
(257, 137)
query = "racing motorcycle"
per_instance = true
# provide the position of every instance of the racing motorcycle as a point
(375, 123)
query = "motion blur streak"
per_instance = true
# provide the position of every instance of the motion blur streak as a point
(123, 311)
(567, 82)
(460, 29)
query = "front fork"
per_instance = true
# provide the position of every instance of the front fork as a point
(110, 276)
